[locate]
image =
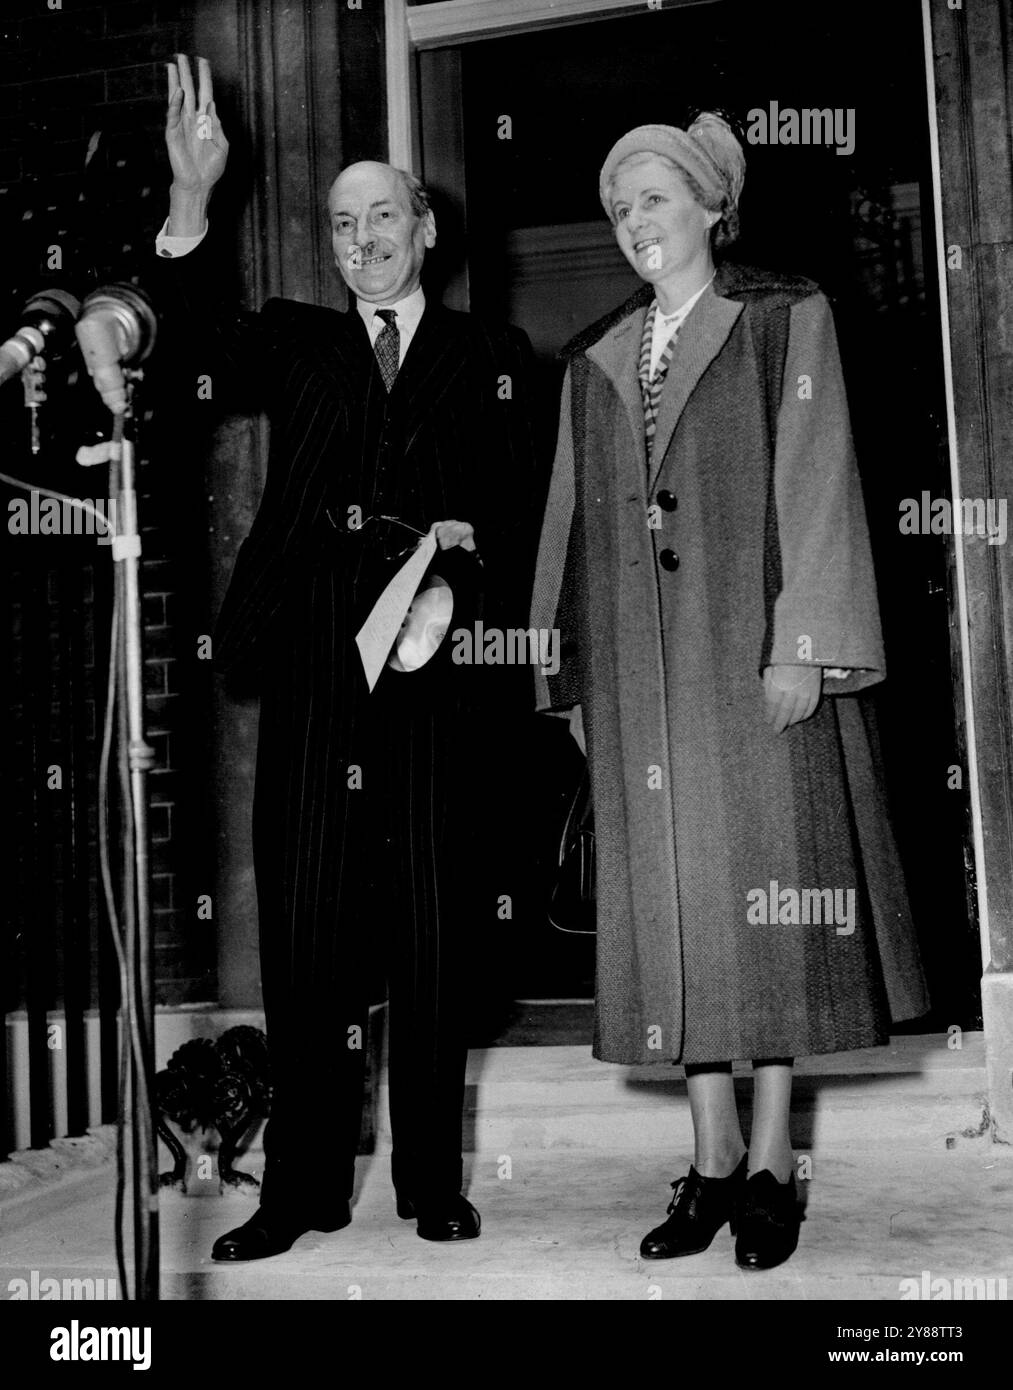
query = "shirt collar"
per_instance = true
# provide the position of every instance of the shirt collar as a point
(409, 311)
(683, 309)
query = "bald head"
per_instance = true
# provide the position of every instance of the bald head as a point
(414, 189)
(381, 227)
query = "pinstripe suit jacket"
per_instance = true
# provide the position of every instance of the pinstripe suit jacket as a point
(453, 440)
(443, 445)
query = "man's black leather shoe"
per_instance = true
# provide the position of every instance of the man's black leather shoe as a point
(455, 1219)
(697, 1211)
(270, 1233)
(768, 1220)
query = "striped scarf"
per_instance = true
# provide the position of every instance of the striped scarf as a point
(652, 387)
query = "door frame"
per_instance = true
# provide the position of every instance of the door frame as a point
(413, 28)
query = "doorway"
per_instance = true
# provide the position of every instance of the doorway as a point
(510, 129)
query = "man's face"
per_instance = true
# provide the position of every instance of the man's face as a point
(379, 244)
(660, 227)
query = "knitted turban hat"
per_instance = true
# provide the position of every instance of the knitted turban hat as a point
(708, 151)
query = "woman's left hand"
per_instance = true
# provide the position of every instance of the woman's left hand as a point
(792, 694)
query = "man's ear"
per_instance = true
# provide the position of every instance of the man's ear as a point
(430, 232)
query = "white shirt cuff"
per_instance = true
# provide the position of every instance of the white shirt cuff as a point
(172, 246)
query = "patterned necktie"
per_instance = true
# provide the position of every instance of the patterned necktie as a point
(388, 347)
(652, 387)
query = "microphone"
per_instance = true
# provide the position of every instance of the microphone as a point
(116, 328)
(50, 313)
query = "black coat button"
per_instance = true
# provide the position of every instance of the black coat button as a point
(668, 560)
(668, 500)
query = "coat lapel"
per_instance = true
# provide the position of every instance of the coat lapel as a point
(701, 338)
(617, 353)
(344, 354)
(434, 358)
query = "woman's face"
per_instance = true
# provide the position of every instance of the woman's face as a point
(660, 227)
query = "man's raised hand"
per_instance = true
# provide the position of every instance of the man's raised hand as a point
(194, 137)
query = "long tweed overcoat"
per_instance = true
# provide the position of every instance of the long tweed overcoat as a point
(672, 584)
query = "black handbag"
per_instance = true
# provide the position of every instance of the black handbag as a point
(572, 906)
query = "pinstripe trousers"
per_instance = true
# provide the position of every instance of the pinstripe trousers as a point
(366, 805)
(373, 881)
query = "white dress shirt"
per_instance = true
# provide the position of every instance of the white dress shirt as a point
(166, 245)
(409, 311)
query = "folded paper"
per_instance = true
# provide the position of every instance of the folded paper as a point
(380, 630)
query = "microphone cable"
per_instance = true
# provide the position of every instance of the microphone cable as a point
(131, 1043)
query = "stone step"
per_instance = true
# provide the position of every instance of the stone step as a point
(923, 1061)
(915, 1092)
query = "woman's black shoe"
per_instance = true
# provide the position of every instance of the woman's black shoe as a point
(697, 1211)
(768, 1220)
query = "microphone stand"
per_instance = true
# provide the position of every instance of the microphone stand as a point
(116, 329)
(136, 757)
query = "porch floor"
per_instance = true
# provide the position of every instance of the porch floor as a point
(569, 1165)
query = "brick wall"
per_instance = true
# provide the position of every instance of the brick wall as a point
(83, 169)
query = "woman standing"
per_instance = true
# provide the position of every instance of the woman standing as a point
(706, 559)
